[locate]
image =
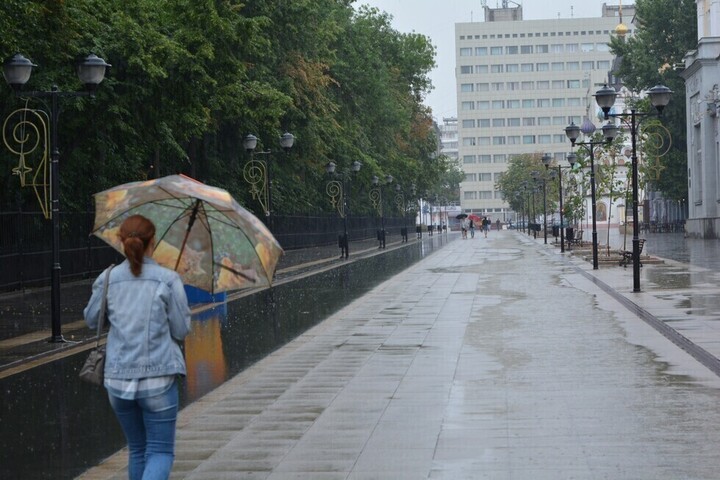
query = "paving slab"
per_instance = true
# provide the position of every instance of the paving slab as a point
(491, 358)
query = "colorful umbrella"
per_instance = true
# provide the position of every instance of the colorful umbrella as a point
(201, 231)
(475, 218)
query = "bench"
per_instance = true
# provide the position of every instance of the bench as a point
(577, 239)
(627, 255)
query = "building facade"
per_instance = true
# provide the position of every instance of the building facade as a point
(519, 84)
(702, 90)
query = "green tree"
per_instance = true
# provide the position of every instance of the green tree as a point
(667, 30)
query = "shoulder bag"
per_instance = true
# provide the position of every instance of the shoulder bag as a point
(93, 370)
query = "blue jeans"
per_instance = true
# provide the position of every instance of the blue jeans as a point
(149, 426)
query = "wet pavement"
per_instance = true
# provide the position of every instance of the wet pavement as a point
(491, 358)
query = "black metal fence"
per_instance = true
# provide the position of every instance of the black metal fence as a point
(26, 243)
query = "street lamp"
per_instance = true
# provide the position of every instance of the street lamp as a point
(659, 98)
(402, 208)
(338, 193)
(91, 72)
(572, 159)
(258, 174)
(376, 198)
(546, 160)
(573, 132)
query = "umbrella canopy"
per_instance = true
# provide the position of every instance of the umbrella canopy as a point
(460, 216)
(475, 218)
(201, 231)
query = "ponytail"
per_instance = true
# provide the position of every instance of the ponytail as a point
(136, 233)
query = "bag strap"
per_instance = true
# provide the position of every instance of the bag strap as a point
(103, 305)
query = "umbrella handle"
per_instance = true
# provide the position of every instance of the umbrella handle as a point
(191, 222)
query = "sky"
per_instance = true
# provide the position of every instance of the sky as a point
(436, 20)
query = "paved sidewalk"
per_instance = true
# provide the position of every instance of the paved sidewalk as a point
(492, 358)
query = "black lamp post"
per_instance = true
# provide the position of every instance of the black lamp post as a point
(338, 192)
(546, 160)
(91, 72)
(659, 98)
(571, 158)
(402, 208)
(376, 197)
(573, 132)
(258, 173)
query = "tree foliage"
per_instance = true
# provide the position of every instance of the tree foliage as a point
(191, 78)
(667, 30)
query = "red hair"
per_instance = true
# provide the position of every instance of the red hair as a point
(136, 233)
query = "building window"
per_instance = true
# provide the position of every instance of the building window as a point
(466, 87)
(573, 102)
(588, 65)
(513, 122)
(496, 68)
(497, 86)
(558, 84)
(513, 140)
(468, 123)
(543, 84)
(468, 141)
(483, 140)
(498, 104)
(543, 67)
(574, 119)
(480, 69)
(484, 122)
(559, 121)
(512, 68)
(542, 49)
(543, 103)
(482, 87)
(557, 48)
(465, 106)
(470, 177)
(527, 67)
(498, 122)
(499, 158)
(466, 69)
(573, 66)
(602, 47)
(559, 138)
(485, 177)
(587, 47)
(572, 47)
(496, 50)
(466, 52)
(545, 139)
(528, 139)
(603, 64)
(513, 104)
(513, 86)
(557, 66)
(498, 140)
(543, 121)
(528, 121)
(481, 51)
(498, 176)
(511, 50)
(526, 49)
(484, 159)
(528, 103)
(468, 159)
(558, 102)
(573, 84)
(469, 195)
(485, 194)
(483, 105)
(527, 85)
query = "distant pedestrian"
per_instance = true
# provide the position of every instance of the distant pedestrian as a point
(486, 225)
(149, 315)
(464, 227)
(497, 224)
(472, 228)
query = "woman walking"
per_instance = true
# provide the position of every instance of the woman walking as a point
(148, 313)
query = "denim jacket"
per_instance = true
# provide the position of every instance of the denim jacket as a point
(148, 316)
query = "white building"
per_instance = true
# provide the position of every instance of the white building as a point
(519, 84)
(449, 137)
(702, 79)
